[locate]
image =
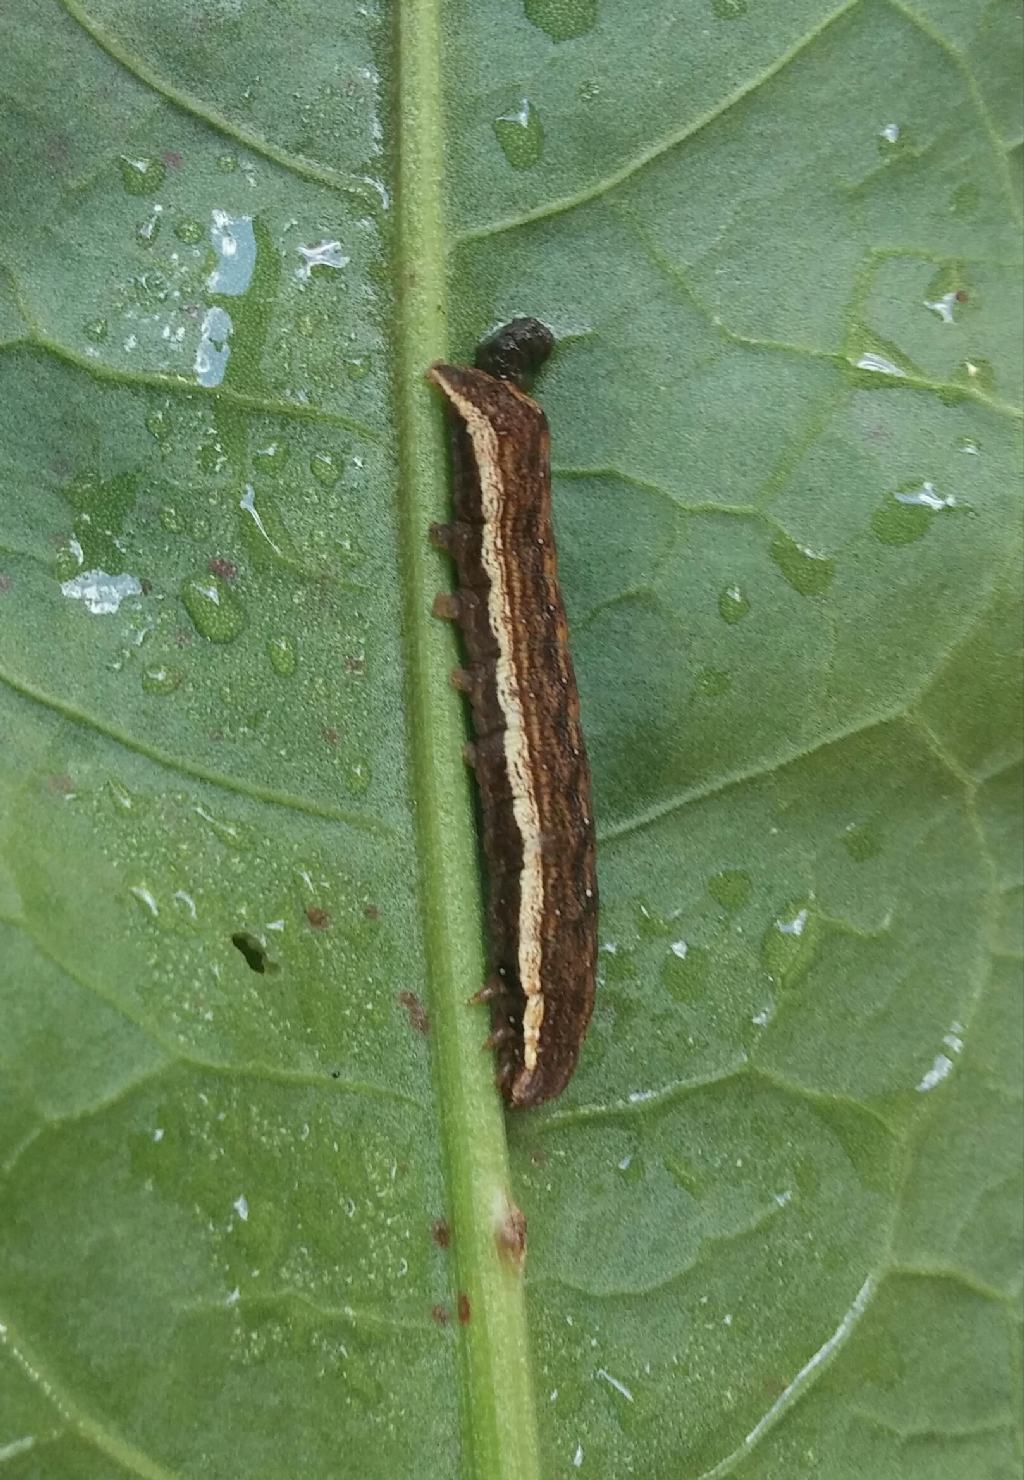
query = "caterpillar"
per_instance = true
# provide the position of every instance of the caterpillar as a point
(528, 754)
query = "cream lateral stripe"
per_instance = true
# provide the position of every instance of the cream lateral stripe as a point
(517, 757)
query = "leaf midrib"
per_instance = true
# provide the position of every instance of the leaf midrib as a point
(499, 1437)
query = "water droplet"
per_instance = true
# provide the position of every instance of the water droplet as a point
(70, 558)
(733, 605)
(924, 494)
(685, 1174)
(248, 504)
(234, 242)
(211, 457)
(189, 231)
(521, 135)
(944, 306)
(908, 514)
(213, 349)
(325, 468)
(101, 593)
(145, 897)
(272, 456)
(969, 445)
(941, 1066)
(619, 973)
(684, 977)
(283, 655)
(806, 570)
(890, 133)
(153, 285)
(862, 841)
(632, 1166)
(879, 365)
(977, 372)
(141, 176)
(965, 200)
(161, 679)
(158, 424)
(562, 20)
(731, 888)
(649, 923)
(233, 834)
(711, 683)
(96, 330)
(122, 797)
(357, 777)
(350, 551)
(216, 613)
(791, 943)
(729, 10)
(146, 232)
(946, 293)
(324, 254)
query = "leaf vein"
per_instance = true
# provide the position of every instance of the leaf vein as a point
(663, 146)
(296, 164)
(271, 1073)
(250, 789)
(927, 28)
(178, 386)
(96, 1432)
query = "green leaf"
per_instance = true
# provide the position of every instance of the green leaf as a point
(255, 1172)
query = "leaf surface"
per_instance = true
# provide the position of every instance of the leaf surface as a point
(255, 1172)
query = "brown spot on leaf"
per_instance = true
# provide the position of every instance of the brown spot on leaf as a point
(226, 569)
(318, 918)
(440, 1314)
(510, 1236)
(441, 1232)
(418, 1018)
(463, 1308)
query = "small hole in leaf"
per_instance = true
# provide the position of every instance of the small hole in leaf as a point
(254, 952)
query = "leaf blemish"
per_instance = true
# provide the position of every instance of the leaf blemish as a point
(418, 1017)
(254, 952)
(510, 1236)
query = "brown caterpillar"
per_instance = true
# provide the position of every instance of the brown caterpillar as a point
(529, 755)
